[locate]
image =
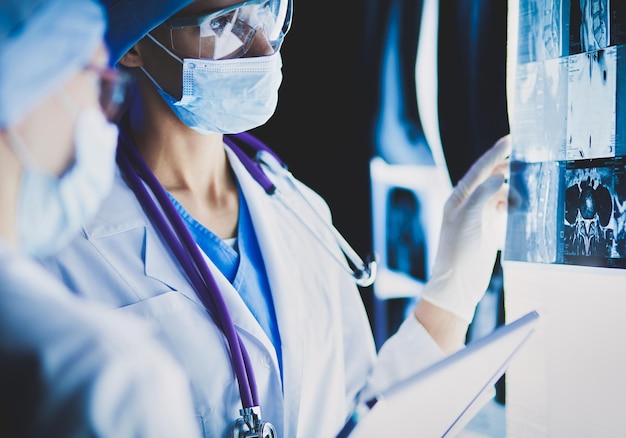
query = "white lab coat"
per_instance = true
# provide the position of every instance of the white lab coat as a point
(74, 369)
(329, 357)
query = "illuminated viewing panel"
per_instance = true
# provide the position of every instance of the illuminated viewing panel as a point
(567, 115)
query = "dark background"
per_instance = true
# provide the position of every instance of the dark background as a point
(324, 124)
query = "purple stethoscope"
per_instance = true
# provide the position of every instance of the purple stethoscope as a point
(181, 243)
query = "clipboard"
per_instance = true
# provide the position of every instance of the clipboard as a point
(440, 400)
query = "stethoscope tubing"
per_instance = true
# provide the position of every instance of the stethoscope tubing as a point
(174, 231)
(363, 273)
(186, 251)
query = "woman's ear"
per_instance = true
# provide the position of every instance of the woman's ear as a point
(132, 58)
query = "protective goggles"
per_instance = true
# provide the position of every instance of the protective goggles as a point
(112, 90)
(229, 32)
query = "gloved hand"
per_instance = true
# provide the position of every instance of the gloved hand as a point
(472, 231)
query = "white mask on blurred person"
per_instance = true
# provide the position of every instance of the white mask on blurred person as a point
(226, 95)
(52, 208)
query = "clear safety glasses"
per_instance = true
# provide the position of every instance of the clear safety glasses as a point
(113, 84)
(231, 31)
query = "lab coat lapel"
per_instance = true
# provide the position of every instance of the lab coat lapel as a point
(238, 310)
(270, 218)
(167, 270)
(122, 221)
(122, 215)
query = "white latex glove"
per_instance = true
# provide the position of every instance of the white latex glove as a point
(472, 231)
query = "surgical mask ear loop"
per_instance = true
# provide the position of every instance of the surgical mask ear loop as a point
(19, 148)
(168, 51)
(149, 76)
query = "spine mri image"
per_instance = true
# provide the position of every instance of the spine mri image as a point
(568, 125)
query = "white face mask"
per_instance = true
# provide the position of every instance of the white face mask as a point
(227, 95)
(52, 208)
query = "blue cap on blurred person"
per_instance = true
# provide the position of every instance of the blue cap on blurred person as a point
(130, 20)
(42, 44)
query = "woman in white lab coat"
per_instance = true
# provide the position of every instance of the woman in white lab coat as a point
(295, 309)
(68, 368)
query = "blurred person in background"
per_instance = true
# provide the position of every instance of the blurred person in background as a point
(68, 368)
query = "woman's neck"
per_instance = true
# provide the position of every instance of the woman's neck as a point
(193, 167)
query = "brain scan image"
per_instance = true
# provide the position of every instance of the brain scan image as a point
(594, 214)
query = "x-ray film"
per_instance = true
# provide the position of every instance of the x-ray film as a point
(593, 217)
(591, 84)
(568, 125)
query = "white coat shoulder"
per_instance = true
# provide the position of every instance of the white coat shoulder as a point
(72, 368)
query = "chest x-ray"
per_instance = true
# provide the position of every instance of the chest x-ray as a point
(567, 78)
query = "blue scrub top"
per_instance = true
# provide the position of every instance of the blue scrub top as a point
(242, 264)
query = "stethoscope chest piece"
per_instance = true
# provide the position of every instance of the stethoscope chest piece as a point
(249, 425)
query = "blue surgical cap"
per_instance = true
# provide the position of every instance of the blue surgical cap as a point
(130, 20)
(42, 44)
